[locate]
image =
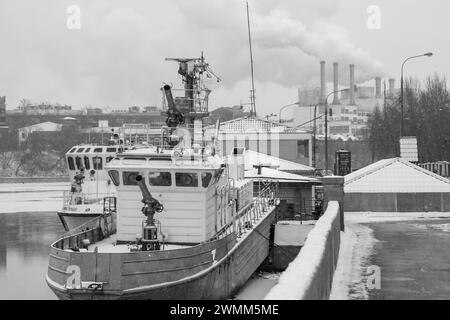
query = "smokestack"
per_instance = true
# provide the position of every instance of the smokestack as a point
(391, 86)
(336, 83)
(378, 87)
(322, 82)
(352, 84)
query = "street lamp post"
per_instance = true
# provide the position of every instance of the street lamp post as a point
(428, 54)
(284, 107)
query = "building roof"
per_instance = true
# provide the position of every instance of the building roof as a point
(394, 175)
(44, 126)
(246, 124)
(256, 158)
(268, 173)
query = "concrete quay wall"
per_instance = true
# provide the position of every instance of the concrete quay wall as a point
(310, 275)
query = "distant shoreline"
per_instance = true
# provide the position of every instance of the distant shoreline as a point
(34, 179)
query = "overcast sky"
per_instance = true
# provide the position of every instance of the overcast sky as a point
(117, 57)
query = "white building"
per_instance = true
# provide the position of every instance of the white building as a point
(266, 137)
(47, 126)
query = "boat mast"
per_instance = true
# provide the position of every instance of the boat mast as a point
(252, 93)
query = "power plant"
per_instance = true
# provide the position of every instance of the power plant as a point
(349, 109)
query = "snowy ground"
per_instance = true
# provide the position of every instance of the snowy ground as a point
(357, 245)
(31, 197)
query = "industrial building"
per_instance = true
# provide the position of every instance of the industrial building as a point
(350, 108)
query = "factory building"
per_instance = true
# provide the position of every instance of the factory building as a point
(350, 108)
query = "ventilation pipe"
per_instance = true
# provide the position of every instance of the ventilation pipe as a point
(352, 84)
(336, 83)
(378, 87)
(322, 82)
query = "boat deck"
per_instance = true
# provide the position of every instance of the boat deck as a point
(109, 245)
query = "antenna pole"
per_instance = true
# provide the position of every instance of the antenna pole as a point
(253, 103)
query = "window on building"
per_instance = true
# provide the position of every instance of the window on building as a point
(160, 179)
(269, 147)
(247, 143)
(184, 179)
(129, 178)
(111, 150)
(71, 151)
(303, 148)
(87, 150)
(98, 150)
(71, 163)
(114, 175)
(206, 179)
(80, 150)
(87, 164)
(108, 159)
(97, 163)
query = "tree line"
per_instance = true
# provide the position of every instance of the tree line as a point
(426, 116)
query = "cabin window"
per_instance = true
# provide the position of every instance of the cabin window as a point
(111, 150)
(71, 163)
(87, 164)
(73, 150)
(108, 159)
(98, 150)
(79, 163)
(184, 179)
(206, 179)
(87, 150)
(129, 178)
(160, 179)
(114, 175)
(97, 163)
(80, 150)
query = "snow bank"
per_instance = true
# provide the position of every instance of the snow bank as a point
(310, 275)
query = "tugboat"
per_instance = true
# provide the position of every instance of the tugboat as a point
(91, 192)
(188, 224)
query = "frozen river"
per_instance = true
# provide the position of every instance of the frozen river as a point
(28, 224)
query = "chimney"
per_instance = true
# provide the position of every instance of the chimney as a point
(322, 82)
(352, 85)
(391, 86)
(378, 87)
(336, 83)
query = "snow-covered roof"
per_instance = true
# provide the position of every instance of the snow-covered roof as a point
(392, 176)
(246, 124)
(268, 173)
(256, 158)
(43, 126)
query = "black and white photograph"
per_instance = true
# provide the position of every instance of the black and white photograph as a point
(245, 152)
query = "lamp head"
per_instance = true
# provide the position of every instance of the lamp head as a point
(428, 54)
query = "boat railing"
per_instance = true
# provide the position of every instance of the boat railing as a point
(267, 197)
(93, 230)
(71, 199)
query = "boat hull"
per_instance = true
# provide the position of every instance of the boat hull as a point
(218, 280)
